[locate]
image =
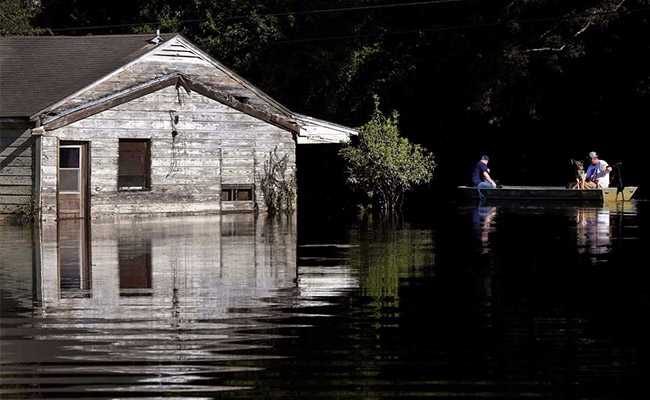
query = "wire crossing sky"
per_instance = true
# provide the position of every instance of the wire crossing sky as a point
(277, 14)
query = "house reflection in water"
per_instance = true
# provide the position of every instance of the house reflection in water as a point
(199, 266)
(74, 259)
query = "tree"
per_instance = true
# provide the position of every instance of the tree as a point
(385, 165)
(16, 17)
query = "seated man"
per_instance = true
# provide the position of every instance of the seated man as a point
(597, 176)
(481, 177)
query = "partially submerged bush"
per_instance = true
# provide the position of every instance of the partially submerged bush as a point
(384, 165)
(278, 183)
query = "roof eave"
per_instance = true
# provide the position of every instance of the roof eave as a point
(318, 131)
(37, 116)
(88, 109)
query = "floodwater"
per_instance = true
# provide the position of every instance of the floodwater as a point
(468, 302)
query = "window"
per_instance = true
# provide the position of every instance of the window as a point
(69, 168)
(134, 169)
(237, 193)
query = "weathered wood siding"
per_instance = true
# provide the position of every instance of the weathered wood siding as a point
(215, 144)
(15, 167)
(166, 59)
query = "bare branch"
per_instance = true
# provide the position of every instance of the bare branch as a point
(583, 29)
(544, 49)
(579, 32)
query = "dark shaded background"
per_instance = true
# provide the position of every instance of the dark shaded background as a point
(532, 83)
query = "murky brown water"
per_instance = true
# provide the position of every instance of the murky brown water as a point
(465, 303)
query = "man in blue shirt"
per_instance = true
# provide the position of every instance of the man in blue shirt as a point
(481, 177)
(597, 176)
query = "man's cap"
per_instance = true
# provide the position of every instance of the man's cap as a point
(593, 154)
(485, 157)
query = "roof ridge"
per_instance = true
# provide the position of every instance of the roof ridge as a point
(86, 36)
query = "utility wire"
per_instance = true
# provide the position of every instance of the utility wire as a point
(277, 14)
(459, 27)
(388, 33)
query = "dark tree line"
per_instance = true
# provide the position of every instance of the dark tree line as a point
(532, 82)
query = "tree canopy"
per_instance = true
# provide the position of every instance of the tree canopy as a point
(483, 75)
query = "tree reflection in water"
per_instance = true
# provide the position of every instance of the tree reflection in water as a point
(498, 302)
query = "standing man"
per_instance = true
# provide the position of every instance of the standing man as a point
(597, 176)
(481, 177)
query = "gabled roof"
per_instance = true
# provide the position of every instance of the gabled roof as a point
(51, 79)
(173, 79)
(36, 71)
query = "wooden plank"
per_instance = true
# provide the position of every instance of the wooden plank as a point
(9, 208)
(15, 190)
(15, 141)
(146, 112)
(14, 199)
(17, 162)
(16, 171)
(25, 151)
(185, 162)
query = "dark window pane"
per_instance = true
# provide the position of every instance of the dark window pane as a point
(133, 170)
(69, 180)
(133, 181)
(237, 193)
(244, 195)
(69, 157)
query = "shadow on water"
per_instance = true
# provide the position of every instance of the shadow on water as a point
(469, 302)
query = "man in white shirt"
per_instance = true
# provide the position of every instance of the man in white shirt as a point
(597, 176)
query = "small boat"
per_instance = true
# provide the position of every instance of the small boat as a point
(550, 193)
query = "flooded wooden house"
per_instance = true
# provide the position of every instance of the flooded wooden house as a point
(94, 126)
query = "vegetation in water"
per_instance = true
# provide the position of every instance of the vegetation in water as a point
(384, 165)
(388, 254)
(278, 183)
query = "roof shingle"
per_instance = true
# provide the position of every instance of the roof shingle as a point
(37, 71)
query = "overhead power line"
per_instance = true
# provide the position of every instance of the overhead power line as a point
(276, 14)
(390, 33)
(460, 27)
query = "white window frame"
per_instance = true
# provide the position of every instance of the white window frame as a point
(58, 177)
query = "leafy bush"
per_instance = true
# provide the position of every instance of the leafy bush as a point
(385, 165)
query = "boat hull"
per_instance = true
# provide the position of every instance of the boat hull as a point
(546, 193)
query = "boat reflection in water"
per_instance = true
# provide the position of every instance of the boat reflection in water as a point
(155, 306)
(503, 302)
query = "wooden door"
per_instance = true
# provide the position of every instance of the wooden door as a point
(73, 180)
